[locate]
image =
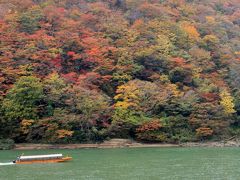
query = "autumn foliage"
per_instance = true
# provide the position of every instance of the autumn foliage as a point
(204, 132)
(82, 71)
(149, 126)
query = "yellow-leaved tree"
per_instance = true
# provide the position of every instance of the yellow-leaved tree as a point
(227, 102)
(191, 30)
(143, 95)
(25, 126)
(62, 133)
(129, 96)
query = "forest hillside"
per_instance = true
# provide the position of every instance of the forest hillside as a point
(75, 71)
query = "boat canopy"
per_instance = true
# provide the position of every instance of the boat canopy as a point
(50, 156)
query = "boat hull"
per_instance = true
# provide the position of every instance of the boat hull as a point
(45, 161)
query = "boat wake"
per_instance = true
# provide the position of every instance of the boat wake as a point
(6, 164)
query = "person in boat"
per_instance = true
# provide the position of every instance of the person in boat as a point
(17, 159)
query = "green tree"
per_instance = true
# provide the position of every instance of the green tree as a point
(30, 20)
(54, 89)
(91, 110)
(23, 100)
(2, 133)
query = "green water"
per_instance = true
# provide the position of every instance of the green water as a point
(130, 164)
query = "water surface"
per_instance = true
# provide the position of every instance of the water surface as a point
(129, 164)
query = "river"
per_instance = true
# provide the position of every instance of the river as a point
(129, 164)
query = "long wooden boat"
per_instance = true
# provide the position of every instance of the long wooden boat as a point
(51, 158)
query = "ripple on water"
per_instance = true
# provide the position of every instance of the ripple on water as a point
(132, 164)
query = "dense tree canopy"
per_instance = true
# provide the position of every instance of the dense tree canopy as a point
(153, 70)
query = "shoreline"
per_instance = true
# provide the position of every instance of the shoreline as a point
(124, 143)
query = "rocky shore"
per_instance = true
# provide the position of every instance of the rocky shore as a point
(212, 144)
(125, 143)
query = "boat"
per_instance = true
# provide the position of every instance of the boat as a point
(51, 158)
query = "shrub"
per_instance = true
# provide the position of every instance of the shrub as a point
(204, 132)
(121, 129)
(6, 144)
(183, 135)
(150, 131)
(152, 136)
